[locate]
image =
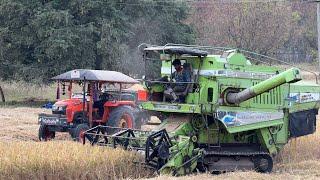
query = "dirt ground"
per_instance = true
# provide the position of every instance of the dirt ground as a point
(21, 124)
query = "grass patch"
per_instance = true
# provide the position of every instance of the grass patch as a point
(32, 104)
(23, 91)
(23, 94)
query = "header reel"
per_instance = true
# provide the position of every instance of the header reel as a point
(155, 145)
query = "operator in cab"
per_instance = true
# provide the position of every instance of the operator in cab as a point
(180, 75)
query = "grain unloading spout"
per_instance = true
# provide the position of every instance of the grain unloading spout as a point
(289, 76)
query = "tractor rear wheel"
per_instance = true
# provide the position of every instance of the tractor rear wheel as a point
(122, 117)
(78, 132)
(45, 134)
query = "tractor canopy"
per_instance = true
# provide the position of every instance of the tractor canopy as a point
(95, 75)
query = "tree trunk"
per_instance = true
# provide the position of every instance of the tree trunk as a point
(2, 95)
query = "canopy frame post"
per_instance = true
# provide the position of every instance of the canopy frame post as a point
(90, 104)
(120, 89)
(70, 89)
(84, 98)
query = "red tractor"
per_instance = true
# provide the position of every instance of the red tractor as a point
(98, 104)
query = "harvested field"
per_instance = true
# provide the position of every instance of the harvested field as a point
(66, 160)
(21, 124)
(21, 157)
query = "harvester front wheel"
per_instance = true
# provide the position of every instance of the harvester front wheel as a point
(122, 117)
(45, 134)
(78, 132)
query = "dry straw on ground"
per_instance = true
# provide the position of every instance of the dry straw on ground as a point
(66, 160)
(23, 158)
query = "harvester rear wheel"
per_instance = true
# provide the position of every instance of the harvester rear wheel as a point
(45, 134)
(122, 117)
(79, 132)
(263, 163)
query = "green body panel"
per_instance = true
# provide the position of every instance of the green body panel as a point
(284, 77)
(303, 96)
(237, 59)
(266, 140)
(262, 119)
(259, 125)
(181, 152)
(165, 107)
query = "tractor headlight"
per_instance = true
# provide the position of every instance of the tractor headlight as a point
(59, 109)
(39, 120)
(54, 107)
(62, 108)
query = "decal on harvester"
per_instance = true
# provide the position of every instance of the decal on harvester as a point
(166, 107)
(230, 118)
(304, 97)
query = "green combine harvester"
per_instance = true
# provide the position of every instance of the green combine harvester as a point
(232, 115)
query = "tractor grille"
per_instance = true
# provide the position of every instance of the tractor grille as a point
(63, 112)
(272, 97)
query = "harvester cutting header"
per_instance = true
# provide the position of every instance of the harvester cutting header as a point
(219, 112)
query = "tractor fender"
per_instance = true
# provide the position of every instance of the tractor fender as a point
(119, 103)
(109, 106)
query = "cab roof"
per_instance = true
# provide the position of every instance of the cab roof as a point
(180, 50)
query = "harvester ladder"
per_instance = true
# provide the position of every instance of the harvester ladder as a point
(217, 130)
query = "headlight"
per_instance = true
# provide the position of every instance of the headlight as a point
(59, 109)
(54, 108)
(62, 108)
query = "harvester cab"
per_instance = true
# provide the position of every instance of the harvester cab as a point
(232, 114)
(104, 100)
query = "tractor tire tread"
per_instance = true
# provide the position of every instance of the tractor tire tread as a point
(117, 113)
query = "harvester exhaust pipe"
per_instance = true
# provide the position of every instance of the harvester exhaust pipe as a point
(289, 76)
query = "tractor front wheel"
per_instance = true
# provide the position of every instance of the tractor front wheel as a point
(78, 132)
(45, 134)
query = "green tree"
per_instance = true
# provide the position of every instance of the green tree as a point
(42, 38)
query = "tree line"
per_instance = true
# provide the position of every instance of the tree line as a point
(282, 29)
(42, 38)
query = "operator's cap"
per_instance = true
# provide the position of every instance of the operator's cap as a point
(176, 62)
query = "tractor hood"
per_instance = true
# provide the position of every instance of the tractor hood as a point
(67, 102)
